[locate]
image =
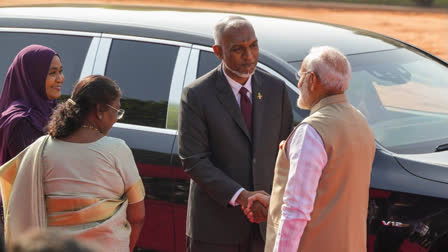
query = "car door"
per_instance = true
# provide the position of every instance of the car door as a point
(150, 73)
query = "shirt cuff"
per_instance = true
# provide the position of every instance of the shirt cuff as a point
(235, 196)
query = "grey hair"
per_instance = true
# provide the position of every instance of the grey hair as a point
(226, 23)
(331, 66)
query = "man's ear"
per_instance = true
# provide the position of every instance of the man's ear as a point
(313, 82)
(218, 51)
(99, 112)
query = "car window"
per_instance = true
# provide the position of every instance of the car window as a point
(403, 95)
(72, 50)
(207, 62)
(143, 71)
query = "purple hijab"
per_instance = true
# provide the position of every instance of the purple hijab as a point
(24, 93)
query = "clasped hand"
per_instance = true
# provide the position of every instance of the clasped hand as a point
(254, 205)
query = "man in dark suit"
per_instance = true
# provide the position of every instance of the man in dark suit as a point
(231, 121)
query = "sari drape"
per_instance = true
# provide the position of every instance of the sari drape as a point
(98, 220)
(22, 191)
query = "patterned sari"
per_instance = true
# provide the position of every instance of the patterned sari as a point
(97, 220)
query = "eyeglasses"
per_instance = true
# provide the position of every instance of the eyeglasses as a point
(299, 74)
(120, 112)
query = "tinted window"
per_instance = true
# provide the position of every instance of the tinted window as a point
(403, 96)
(72, 50)
(144, 72)
(207, 62)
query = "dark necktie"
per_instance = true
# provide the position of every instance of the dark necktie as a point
(246, 108)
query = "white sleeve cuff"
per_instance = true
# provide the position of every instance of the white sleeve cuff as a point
(233, 200)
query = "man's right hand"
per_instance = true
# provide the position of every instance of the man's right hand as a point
(255, 211)
(263, 198)
(243, 198)
(253, 203)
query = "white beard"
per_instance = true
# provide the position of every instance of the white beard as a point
(301, 101)
(239, 74)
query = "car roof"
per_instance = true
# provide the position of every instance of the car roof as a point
(288, 39)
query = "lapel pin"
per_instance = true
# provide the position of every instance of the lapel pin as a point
(259, 96)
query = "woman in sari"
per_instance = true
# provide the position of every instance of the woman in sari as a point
(78, 180)
(32, 85)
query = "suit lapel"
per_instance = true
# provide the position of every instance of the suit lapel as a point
(227, 99)
(257, 109)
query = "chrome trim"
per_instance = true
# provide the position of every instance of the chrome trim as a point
(192, 68)
(397, 224)
(203, 48)
(89, 62)
(144, 39)
(145, 128)
(177, 83)
(50, 31)
(101, 56)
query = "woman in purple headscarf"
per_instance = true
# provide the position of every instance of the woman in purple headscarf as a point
(32, 85)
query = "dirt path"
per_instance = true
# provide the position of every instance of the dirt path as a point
(425, 29)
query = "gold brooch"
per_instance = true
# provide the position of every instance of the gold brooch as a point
(259, 96)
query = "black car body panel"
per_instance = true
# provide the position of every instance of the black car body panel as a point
(388, 174)
(432, 166)
(188, 23)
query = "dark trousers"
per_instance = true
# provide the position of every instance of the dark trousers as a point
(254, 243)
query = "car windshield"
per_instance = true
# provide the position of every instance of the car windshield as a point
(404, 96)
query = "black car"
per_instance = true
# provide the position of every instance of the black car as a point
(153, 53)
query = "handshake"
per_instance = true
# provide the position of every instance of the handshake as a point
(255, 205)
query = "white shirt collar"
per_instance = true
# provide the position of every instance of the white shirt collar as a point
(237, 86)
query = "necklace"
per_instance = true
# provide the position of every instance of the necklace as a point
(88, 126)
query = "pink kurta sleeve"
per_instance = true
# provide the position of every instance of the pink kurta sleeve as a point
(307, 160)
